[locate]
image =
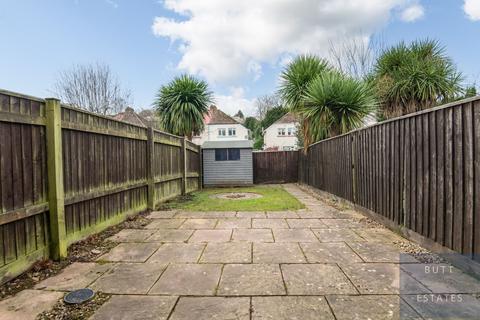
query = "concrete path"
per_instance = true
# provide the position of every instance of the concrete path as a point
(318, 263)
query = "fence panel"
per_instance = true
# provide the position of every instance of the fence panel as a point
(275, 166)
(105, 176)
(421, 171)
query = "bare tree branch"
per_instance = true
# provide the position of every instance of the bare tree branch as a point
(92, 87)
(265, 103)
(356, 56)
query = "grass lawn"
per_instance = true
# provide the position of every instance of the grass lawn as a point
(274, 199)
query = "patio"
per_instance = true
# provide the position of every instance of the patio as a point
(314, 263)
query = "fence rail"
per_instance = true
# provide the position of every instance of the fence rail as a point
(67, 173)
(420, 171)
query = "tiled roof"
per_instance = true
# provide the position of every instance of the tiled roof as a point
(130, 116)
(216, 116)
(289, 117)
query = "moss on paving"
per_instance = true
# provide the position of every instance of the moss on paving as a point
(274, 198)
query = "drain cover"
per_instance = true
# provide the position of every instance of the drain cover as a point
(79, 296)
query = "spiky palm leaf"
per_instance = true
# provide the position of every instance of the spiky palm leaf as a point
(335, 104)
(182, 105)
(296, 77)
(414, 77)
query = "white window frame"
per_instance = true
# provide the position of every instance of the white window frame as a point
(234, 130)
(291, 131)
(281, 132)
(222, 132)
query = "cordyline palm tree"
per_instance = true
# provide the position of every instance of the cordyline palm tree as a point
(182, 105)
(413, 77)
(328, 102)
(335, 104)
(294, 82)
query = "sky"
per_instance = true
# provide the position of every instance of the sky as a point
(238, 46)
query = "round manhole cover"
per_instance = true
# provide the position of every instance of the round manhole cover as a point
(237, 195)
(79, 296)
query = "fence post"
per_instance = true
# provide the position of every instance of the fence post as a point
(200, 168)
(150, 169)
(354, 169)
(184, 166)
(58, 247)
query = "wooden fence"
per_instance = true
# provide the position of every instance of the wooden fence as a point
(66, 173)
(275, 166)
(420, 171)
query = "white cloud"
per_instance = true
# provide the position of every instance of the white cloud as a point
(412, 12)
(226, 40)
(472, 9)
(230, 104)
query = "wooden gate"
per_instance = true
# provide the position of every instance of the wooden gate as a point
(275, 166)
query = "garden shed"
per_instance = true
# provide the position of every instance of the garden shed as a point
(227, 163)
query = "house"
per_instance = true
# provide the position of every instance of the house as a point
(227, 163)
(282, 134)
(221, 127)
(145, 118)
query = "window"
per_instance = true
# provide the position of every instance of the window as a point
(233, 154)
(221, 154)
(232, 132)
(291, 131)
(227, 154)
(281, 131)
(288, 148)
(222, 132)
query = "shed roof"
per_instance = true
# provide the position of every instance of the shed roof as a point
(241, 144)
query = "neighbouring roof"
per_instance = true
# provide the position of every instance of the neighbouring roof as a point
(217, 116)
(130, 116)
(242, 144)
(289, 117)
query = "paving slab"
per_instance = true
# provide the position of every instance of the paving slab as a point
(194, 224)
(382, 278)
(251, 279)
(277, 253)
(378, 307)
(177, 253)
(380, 252)
(188, 279)
(130, 252)
(294, 235)
(318, 214)
(281, 214)
(446, 306)
(269, 223)
(289, 308)
(305, 223)
(251, 214)
(212, 308)
(27, 304)
(337, 235)
(129, 278)
(170, 235)
(227, 252)
(205, 214)
(165, 224)
(316, 279)
(252, 235)
(131, 235)
(211, 235)
(78, 275)
(234, 223)
(329, 252)
(131, 307)
(162, 214)
(343, 223)
(379, 234)
(443, 278)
